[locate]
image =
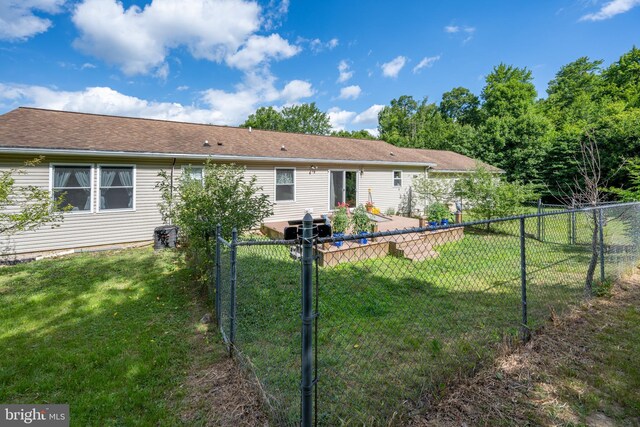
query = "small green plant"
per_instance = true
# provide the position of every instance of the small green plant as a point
(602, 288)
(360, 221)
(390, 211)
(340, 219)
(438, 211)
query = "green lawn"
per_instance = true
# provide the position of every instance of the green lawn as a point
(393, 331)
(112, 334)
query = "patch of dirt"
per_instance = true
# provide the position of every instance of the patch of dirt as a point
(222, 396)
(520, 387)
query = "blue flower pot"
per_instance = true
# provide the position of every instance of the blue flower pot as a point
(444, 222)
(339, 243)
(433, 223)
(362, 240)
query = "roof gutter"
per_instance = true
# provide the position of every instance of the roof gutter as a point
(54, 151)
(460, 171)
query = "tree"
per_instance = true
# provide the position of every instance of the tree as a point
(395, 121)
(488, 196)
(509, 91)
(306, 118)
(632, 191)
(357, 134)
(303, 118)
(461, 106)
(25, 208)
(224, 196)
(266, 118)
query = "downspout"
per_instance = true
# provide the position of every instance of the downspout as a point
(173, 166)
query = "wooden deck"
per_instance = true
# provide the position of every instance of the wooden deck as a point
(413, 246)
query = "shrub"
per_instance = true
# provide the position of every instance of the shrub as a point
(340, 219)
(224, 196)
(438, 211)
(360, 221)
(488, 196)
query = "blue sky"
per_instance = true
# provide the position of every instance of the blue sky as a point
(216, 61)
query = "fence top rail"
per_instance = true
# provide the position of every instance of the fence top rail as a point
(471, 223)
(267, 242)
(224, 242)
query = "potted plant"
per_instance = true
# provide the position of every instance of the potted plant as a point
(438, 213)
(370, 206)
(339, 222)
(360, 222)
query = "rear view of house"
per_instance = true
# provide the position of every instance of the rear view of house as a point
(108, 167)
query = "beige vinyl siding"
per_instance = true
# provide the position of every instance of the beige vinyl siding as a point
(106, 228)
(98, 228)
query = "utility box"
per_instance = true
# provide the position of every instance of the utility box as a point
(165, 236)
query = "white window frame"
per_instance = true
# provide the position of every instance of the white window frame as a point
(91, 167)
(275, 185)
(344, 171)
(98, 187)
(393, 178)
(185, 167)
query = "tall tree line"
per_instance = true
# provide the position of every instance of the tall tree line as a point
(533, 140)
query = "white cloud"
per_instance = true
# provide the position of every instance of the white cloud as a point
(611, 9)
(339, 118)
(344, 72)
(465, 31)
(393, 67)
(259, 49)
(139, 40)
(374, 132)
(350, 92)
(317, 45)
(182, 87)
(274, 13)
(87, 65)
(214, 106)
(18, 21)
(369, 116)
(296, 90)
(426, 62)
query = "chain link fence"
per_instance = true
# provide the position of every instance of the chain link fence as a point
(369, 329)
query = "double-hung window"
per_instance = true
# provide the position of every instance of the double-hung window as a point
(195, 172)
(73, 184)
(117, 187)
(285, 185)
(397, 178)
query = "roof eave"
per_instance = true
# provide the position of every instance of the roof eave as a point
(139, 154)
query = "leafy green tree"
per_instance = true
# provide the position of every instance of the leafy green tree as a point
(306, 118)
(266, 118)
(26, 207)
(357, 134)
(508, 91)
(224, 196)
(622, 78)
(461, 106)
(488, 196)
(631, 193)
(303, 118)
(395, 122)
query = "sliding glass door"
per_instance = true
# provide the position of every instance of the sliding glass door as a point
(343, 188)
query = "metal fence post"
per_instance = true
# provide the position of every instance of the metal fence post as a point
(524, 329)
(207, 250)
(539, 233)
(307, 320)
(573, 224)
(218, 252)
(601, 235)
(232, 310)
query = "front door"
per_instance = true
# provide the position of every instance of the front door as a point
(343, 188)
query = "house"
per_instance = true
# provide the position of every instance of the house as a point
(108, 167)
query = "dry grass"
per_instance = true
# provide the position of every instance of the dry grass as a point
(574, 372)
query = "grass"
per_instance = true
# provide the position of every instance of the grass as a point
(115, 335)
(581, 370)
(393, 331)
